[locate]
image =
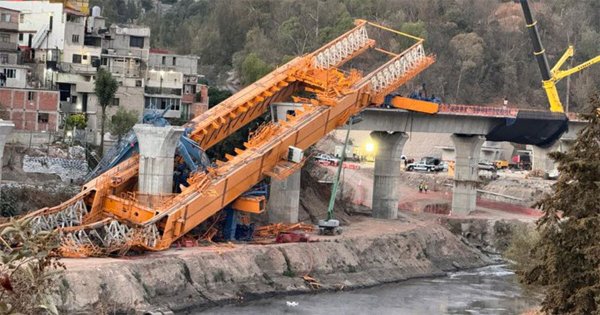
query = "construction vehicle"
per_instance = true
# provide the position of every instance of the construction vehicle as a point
(501, 164)
(109, 216)
(551, 76)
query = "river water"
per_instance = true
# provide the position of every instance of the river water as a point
(488, 290)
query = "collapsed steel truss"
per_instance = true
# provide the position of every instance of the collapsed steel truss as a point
(98, 222)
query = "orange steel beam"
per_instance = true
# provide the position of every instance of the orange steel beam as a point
(414, 105)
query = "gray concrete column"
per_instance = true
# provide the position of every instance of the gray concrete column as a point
(541, 160)
(466, 177)
(157, 153)
(5, 129)
(387, 173)
(284, 199)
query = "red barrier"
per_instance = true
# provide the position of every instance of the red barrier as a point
(475, 110)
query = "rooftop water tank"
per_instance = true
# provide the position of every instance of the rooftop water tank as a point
(96, 11)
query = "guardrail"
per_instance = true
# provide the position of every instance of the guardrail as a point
(475, 110)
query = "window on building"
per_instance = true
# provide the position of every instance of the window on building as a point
(136, 41)
(164, 60)
(43, 118)
(84, 57)
(30, 95)
(74, 38)
(5, 37)
(138, 83)
(115, 102)
(22, 18)
(3, 58)
(73, 99)
(76, 58)
(20, 36)
(6, 17)
(174, 61)
(104, 61)
(10, 73)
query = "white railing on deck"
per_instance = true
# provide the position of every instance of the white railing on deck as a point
(332, 56)
(397, 69)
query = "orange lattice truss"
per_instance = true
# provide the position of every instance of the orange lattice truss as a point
(107, 216)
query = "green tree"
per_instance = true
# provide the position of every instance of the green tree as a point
(105, 88)
(216, 96)
(76, 121)
(28, 271)
(469, 49)
(122, 122)
(254, 68)
(568, 252)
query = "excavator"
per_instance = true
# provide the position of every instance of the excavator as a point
(108, 216)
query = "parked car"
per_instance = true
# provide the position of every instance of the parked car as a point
(487, 166)
(427, 164)
(326, 159)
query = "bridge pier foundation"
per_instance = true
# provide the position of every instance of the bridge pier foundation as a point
(387, 173)
(464, 194)
(157, 157)
(284, 199)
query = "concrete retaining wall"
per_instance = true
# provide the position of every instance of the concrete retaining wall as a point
(203, 277)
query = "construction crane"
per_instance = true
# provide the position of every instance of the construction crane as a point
(108, 216)
(551, 76)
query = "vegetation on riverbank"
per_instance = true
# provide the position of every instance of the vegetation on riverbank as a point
(565, 259)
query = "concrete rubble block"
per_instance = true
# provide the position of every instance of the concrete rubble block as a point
(157, 156)
(464, 194)
(284, 199)
(387, 173)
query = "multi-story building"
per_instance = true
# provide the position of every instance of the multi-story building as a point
(163, 90)
(11, 73)
(63, 47)
(125, 50)
(31, 109)
(187, 65)
(9, 35)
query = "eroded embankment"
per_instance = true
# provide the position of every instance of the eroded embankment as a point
(204, 277)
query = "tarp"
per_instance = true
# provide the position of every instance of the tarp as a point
(539, 128)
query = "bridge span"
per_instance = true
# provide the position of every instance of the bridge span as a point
(470, 126)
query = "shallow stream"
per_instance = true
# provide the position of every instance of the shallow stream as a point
(488, 290)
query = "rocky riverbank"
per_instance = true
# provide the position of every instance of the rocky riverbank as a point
(371, 252)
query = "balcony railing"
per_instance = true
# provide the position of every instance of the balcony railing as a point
(8, 46)
(161, 91)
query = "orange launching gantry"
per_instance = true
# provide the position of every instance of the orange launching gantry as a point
(107, 217)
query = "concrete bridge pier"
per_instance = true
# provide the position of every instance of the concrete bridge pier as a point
(284, 199)
(464, 194)
(541, 160)
(157, 157)
(387, 173)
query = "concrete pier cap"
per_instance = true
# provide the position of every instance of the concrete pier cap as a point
(157, 156)
(387, 173)
(466, 172)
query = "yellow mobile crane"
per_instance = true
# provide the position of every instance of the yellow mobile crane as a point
(551, 76)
